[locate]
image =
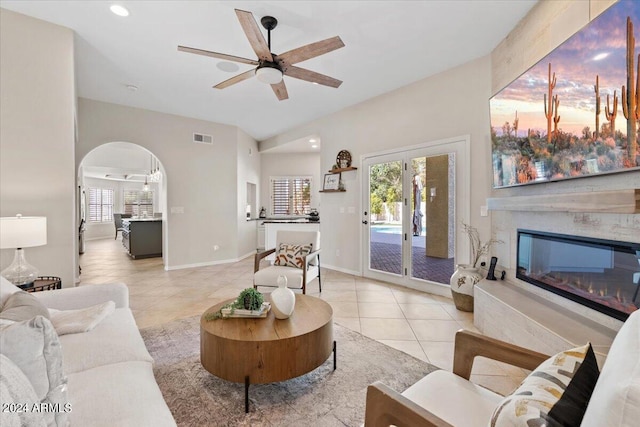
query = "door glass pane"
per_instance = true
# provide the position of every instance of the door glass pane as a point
(385, 226)
(432, 217)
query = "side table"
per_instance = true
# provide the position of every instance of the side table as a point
(43, 283)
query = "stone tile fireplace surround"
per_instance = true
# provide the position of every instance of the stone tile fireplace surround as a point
(526, 315)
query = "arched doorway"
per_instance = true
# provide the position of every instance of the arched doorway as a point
(120, 178)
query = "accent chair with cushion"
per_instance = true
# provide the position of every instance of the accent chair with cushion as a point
(562, 390)
(297, 257)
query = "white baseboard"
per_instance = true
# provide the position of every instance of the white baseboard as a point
(209, 263)
(340, 269)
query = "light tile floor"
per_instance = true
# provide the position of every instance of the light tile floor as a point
(420, 324)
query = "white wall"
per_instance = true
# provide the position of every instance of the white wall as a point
(201, 179)
(447, 105)
(291, 164)
(37, 176)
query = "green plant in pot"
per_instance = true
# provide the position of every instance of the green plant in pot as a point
(249, 299)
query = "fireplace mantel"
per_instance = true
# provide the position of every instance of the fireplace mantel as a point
(612, 201)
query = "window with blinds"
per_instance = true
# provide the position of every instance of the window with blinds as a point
(138, 203)
(100, 204)
(290, 195)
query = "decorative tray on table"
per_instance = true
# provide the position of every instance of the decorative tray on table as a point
(240, 312)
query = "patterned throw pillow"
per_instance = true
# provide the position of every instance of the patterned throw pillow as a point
(292, 255)
(556, 393)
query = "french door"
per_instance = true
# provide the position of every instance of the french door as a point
(412, 200)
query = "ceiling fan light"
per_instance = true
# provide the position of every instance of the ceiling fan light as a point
(269, 75)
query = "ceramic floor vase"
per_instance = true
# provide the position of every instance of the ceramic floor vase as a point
(462, 284)
(283, 300)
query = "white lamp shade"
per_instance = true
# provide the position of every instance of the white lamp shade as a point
(23, 231)
(269, 75)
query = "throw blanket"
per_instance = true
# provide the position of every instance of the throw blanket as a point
(82, 320)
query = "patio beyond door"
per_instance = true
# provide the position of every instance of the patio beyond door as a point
(409, 216)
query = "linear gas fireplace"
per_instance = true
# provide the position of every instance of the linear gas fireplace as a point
(600, 274)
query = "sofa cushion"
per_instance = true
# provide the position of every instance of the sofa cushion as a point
(17, 392)
(616, 398)
(34, 347)
(6, 290)
(23, 306)
(289, 255)
(556, 393)
(115, 339)
(122, 394)
(269, 276)
(443, 393)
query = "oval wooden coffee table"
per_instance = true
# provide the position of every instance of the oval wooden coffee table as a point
(265, 350)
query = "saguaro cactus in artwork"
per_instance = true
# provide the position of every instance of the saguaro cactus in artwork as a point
(611, 114)
(631, 95)
(596, 88)
(556, 117)
(548, 103)
(515, 124)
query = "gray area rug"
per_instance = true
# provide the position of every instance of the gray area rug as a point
(323, 397)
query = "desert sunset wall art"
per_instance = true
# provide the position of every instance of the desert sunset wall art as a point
(575, 113)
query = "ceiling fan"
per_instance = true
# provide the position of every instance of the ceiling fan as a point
(271, 67)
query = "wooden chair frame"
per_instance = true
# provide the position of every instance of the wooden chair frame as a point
(386, 406)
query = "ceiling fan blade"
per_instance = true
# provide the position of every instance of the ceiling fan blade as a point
(311, 76)
(311, 50)
(236, 79)
(280, 90)
(217, 55)
(253, 33)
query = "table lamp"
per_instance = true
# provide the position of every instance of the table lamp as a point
(22, 232)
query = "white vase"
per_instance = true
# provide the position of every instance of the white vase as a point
(283, 300)
(462, 284)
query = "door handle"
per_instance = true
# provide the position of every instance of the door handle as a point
(365, 222)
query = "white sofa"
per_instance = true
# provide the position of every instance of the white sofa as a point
(449, 399)
(109, 370)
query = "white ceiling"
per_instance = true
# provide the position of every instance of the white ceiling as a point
(389, 44)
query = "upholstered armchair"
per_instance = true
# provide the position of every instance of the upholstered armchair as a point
(297, 257)
(563, 389)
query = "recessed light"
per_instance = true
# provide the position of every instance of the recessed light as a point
(119, 10)
(132, 88)
(228, 67)
(312, 140)
(314, 146)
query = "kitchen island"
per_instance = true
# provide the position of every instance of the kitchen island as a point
(142, 237)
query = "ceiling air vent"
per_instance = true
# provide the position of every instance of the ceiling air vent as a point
(202, 138)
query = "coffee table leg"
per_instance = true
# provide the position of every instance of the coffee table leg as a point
(246, 394)
(335, 346)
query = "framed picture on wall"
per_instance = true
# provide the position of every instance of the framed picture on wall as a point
(331, 181)
(568, 116)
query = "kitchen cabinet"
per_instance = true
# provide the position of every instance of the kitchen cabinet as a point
(142, 237)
